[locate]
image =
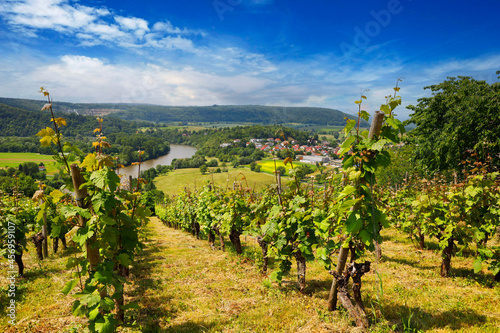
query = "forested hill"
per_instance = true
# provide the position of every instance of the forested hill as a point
(20, 122)
(234, 113)
(215, 113)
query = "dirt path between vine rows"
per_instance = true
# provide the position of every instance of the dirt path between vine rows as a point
(182, 285)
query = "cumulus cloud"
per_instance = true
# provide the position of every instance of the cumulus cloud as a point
(91, 25)
(85, 79)
(58, 15)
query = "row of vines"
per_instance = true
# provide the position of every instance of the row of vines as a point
(307, 222)
(296, 221)
(100, 214)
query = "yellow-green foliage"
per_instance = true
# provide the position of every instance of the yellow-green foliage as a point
(268, 165)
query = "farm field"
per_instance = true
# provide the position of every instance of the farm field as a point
(14, 159)
(268, 165)
(182, 285)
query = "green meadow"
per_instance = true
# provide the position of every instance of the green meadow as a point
(175, 181)
(14, 159)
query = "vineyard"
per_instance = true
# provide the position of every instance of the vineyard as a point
(342, 230)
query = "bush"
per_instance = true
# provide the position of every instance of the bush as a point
(203, 169)
(212, 163)
(281, 170)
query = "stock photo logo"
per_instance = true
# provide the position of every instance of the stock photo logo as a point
(364, 34)
(223, 6)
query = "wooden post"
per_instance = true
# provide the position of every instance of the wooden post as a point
(378, 119)
(332, 298)
(45, 231)
(279, 182)
(344, 252)
(80, 195)
(375, 127)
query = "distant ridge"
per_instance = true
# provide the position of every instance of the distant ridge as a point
(258, 114)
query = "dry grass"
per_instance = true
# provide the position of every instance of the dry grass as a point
(40, 306)
(184, 286)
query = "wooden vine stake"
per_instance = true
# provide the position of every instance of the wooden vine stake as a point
(80, 195)
(45, 232)
(354, 270)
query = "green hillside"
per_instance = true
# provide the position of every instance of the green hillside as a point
(256, 114)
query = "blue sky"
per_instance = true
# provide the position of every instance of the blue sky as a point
(271, 52)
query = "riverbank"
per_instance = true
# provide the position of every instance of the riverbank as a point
(176, 152)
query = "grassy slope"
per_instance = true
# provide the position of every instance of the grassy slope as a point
(184, 286)
(40, 306)
(14, 159)
(173, 182)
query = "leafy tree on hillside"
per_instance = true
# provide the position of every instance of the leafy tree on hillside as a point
(463, 114)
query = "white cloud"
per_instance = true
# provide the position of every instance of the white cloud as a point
(78, 78)
(455, 67)
(178, 43)
(48, 14)
(92, 26)
(132, 23)
(169, 28)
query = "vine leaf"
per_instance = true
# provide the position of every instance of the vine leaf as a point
(353, 223)
(60, 121)
(105, 177)
(89, 162)
(478, 265)
(346, 145)
(105, 325)
(69, 286)
(350, 125)
(385, 108)
(47, 137)
(124, 259)
(56, 195)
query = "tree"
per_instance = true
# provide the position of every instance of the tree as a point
(400, 169)
(203, 169)
(281, 170)
(213, 163)
(463, 114)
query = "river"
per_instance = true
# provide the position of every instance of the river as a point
(176, 151)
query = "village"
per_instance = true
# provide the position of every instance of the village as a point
(316, 153)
